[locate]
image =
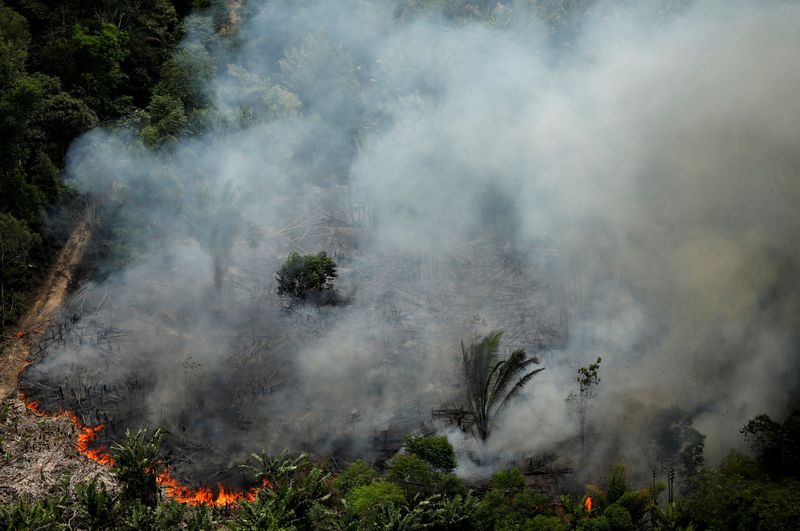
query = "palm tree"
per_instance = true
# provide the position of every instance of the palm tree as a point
(489, 378)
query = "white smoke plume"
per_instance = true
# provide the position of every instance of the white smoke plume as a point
(598, 179)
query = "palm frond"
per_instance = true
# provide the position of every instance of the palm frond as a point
(518, 387)
(514, 365)
(488, 378)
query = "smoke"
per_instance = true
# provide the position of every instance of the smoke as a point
(602, 179)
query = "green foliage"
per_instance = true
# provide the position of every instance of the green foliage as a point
(137, 464)
(296, 485)
(436, 451)
(588, 377)
(739, 495)
(323, 518)
(415, 476)
(303, 275)
(367, 499)
(776, 445)
(184, 76)
(267, 511)
(166, 515)
(63, 68)
(594, 524)
(26, 515)
(588, 380)
(277, 469)
(669, 519)
(16, 242)
(97, 506)
(435, 512)
(619, 519)
(357, 474)
(509, 502)
(420, 480)
(617, 483)
(488, 379)
(541, 522)
(617, 494)
(167, 119)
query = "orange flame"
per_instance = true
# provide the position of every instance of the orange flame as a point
(588, 503)
(86, 434)
(173, 489)
(204, 495)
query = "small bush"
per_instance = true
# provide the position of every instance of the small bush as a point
(414, 475)
(97, 505)
(594, 524)
(137, 464)
(356, 475)
(619, 518)
(372, 498)
(303, 275)
(541, 522)
(437, 451)
(509, 501)
(617, 484)
(27, 515)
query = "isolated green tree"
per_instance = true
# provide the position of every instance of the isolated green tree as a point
(302, 275)
(491, 382)
(588, 380)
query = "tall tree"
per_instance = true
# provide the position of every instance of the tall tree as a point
(588, 380)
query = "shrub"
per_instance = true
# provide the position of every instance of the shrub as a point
(619, 518)
(509, 501)
(267, 511)
(302, 275)
(437, 451)
(541, 522)
(97, 505)
(27, 515)
(137, 464)
(617, 484)
(372, 498)
(594, 524)
(414, 475)
(296, 486)
(356, 475)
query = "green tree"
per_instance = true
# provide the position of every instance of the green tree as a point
(436, 451)
(167, 118)
(304, 275)
(16, 241)
(366, 500)
(739, 495)
(100, 52)
(357, 474)
(776, 444)
(491, 382)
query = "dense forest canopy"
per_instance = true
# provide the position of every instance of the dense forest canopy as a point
(596, 178)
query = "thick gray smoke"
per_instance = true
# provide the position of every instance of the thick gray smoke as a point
(602, 180)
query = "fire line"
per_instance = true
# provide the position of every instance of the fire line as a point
(170, 485)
